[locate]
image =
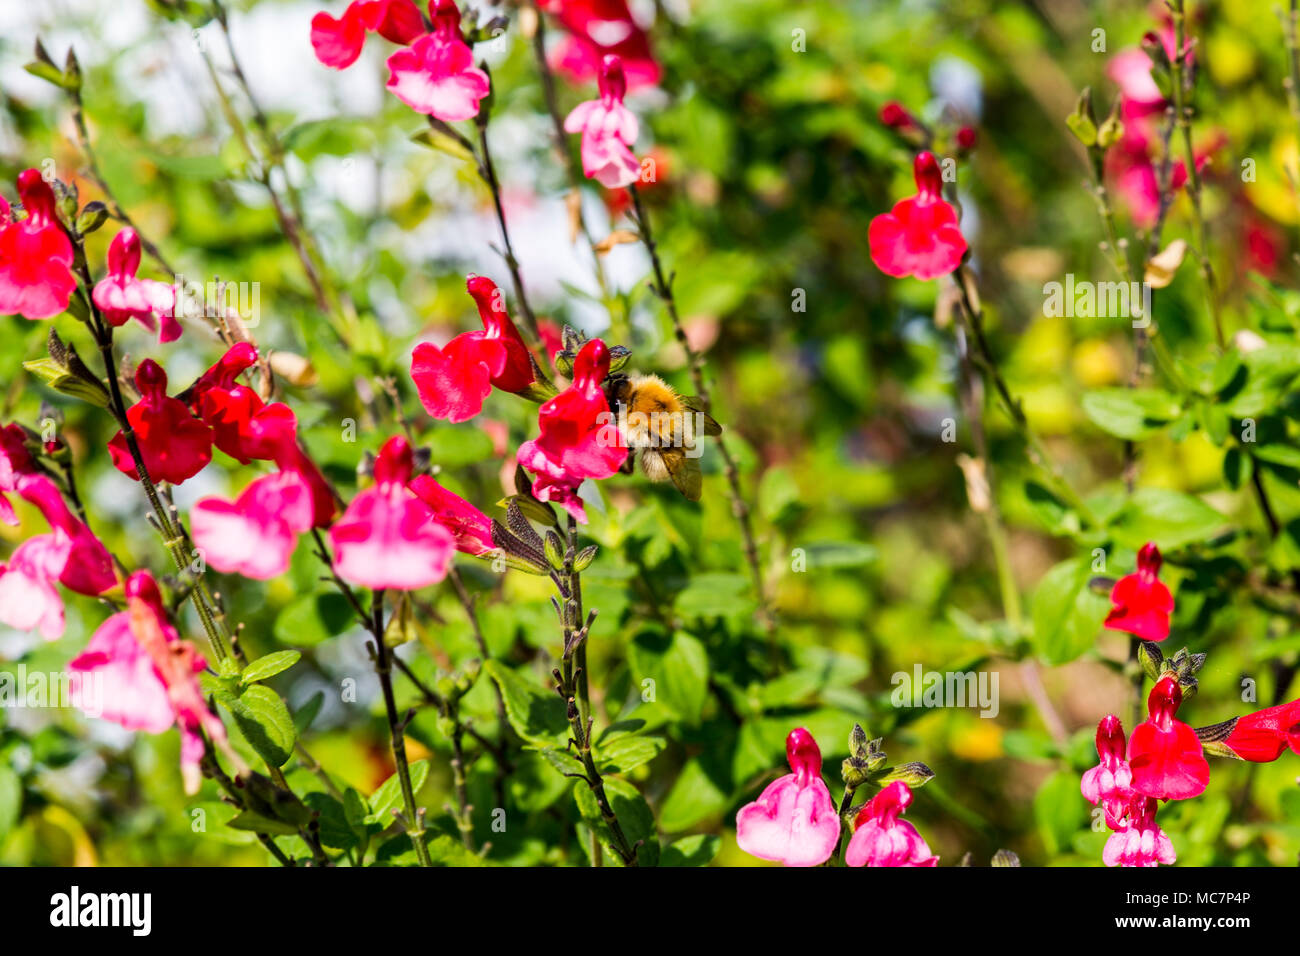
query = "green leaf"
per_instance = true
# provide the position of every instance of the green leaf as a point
(1132, 413)
(265, 723)
(1172, 519)
(626, 752)
(269, 666)
(250, 820)
(536, 715)
(308, 711)
(335, 831)
(1268, 375)
(693, 798)
(697, 850)
(1067, 615)
(715, 595)
(828, 555)
(389, 795)
(1060, 811)
(679, 666)
(314, 618)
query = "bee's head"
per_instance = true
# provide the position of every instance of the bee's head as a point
(617, 389)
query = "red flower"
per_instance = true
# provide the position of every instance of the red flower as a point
(608, 130)
(242, 425)
(453, 381)
(1263, 735)
(1165, 754)
(255, 534)
(578, 438)
(174, 445)
(15, 461)
(121, 296)
(469, 526)
(1140, 604)
(517, 371)
(920, 236)
(894, 115)
(1109, 784)
(338, 42)
(596, 28)
(35, 254)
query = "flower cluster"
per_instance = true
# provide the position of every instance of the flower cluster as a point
(432, 73)
(794, 820)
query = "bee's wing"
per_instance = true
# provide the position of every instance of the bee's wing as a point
(686, 475)
(696, 404)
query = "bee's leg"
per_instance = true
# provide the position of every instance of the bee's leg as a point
(629, 463)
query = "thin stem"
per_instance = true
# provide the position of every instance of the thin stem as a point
(575, 632)
(414, 818)
(662, 287)
(488, 173)
(1182, 84)
(973, 320)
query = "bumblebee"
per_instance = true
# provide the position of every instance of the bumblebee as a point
(661, 428)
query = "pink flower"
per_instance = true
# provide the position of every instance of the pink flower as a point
(389, 538)
(793, 821)
(1165, 754)
(578, 438)
(436, 74)
(920, 236)
(453, 381)
(121, 296)
(1109, 784)
(149, 676)
(608, 130)
(471, 528)
(880, 838)
(1141, 842)
(1140, 603)
(255, 534)
(28, 598)
(35, 254)
(89, 567)
(173, 445)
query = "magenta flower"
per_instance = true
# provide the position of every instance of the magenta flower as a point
(388, 538)
(35, 254)
(150, 676)
(578, 439)
(255, 534)
(793, 821)
(1140, 842)
(1109, 784)
(919, 236)
(436, 74)
(608, 130)
(121, 296)
(471, 528)
(880, 838)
